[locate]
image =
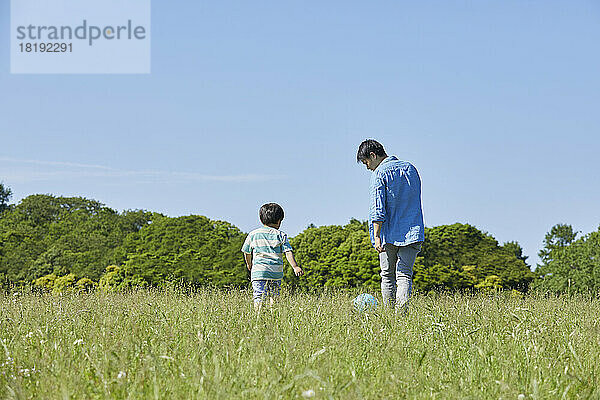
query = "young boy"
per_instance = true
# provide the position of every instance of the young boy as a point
(263, 252)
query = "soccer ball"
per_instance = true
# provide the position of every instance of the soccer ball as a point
(364, 302)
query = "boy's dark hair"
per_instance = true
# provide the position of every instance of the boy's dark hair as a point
(367, 147)
(270, 213)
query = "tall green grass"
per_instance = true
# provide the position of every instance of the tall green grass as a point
(212, 344)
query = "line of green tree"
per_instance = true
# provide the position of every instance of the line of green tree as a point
(569, 264)
(63, 243)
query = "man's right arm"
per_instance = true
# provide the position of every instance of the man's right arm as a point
(377, 236)
(377, 209)
(378, 199)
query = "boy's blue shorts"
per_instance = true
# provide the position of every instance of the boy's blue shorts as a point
(264, 287)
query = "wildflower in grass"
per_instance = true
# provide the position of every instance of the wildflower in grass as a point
(30, 334)
(308, 393)
(121, 375)
(9, 361)
(521, 396)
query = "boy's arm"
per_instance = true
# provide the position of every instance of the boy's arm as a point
(248, 260)
(247, 250)
(290, 257)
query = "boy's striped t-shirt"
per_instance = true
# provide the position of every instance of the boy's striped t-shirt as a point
(267, 246)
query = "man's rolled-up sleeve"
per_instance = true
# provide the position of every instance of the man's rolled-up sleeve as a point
(378, 197)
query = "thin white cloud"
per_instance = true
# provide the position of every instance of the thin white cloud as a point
(54, 163)
(23, 170)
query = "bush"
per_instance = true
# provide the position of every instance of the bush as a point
(117, 278)
(4, 282)
(491, 282)
(85, 285)
(46, 282)
(64, 283)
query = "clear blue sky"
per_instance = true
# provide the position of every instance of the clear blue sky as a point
(495, 102)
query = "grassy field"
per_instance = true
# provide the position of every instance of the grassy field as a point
(212, 344)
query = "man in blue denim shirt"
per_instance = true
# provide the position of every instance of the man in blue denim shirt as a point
(395, 219)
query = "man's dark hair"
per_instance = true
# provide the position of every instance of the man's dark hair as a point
(270, 213)
(367, 147)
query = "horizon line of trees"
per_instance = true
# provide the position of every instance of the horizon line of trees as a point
(73, 243)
